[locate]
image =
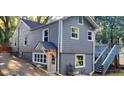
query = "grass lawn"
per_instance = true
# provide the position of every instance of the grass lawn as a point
(120, 73)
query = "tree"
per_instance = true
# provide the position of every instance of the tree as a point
(40, 19)
(8, 25)
(111, 29)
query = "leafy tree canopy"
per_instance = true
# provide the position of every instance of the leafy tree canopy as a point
(110, 26)
(9, 23)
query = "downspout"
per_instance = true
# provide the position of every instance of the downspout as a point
(94, 44)
(18, 39)
(59, 45)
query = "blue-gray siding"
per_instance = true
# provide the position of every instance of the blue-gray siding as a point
(67, 59)
(76, 46)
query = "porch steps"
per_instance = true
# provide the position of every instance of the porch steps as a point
(103, 63)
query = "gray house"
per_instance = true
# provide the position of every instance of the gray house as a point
(59, 45)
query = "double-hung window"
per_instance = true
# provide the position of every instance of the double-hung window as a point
(74, 33)
(79, 60)
(45, 35)
(90, 36)
(25, 40)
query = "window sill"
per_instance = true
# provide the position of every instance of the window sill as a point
(75, 38)
(79, 66)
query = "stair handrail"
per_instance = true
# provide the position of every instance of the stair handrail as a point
(109, 54)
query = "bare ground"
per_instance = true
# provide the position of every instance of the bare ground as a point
(11, 65)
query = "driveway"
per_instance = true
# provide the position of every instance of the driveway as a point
(11, 65)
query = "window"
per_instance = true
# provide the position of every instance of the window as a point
(45, 35)
(74, 33)
(79, 60)
(40, 58)
(25, 40)
(15, 43)
(90, 35)
(80, 20)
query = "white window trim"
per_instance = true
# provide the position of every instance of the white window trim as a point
(43, 34)
(40, 54)
(91, 35)
(77, 33)
(83, 60)
(82, 21)
(24, 42)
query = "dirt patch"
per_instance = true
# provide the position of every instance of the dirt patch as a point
(11, 65)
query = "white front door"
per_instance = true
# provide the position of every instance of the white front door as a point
(52, 64)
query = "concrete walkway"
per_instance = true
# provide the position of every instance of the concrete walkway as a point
(13, 66)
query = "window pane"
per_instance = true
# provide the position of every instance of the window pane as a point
(44, 56)
(25, 42)
(35, 55)
(15, 43)
(89, 33)
(89, 37)
(44, 60)
(80, 57)
(74, 30)
(38, 60)
(41, 56)
(81, 63)
(46, 39)
(41, 60)
(38, 56)
(46, 33)
(73, 34)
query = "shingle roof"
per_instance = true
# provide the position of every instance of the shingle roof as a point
(49, 45)
(32, 24)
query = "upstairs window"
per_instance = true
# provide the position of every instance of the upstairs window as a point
(45, 35)
(90, 36)
(74, 33)
(25, 40)
(80, 20)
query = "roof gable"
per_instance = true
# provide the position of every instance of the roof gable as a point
(31, 24)
(45, 45)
